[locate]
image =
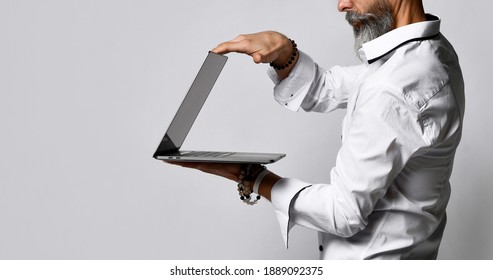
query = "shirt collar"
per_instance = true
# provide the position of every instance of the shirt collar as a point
(382, 45)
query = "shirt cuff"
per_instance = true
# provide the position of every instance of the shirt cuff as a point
(283, 194)
(291, 91)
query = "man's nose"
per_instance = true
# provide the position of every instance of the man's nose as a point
(344, 5)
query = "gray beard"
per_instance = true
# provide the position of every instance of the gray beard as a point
(378, 21)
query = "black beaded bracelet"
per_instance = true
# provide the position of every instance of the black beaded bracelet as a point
(290, 61)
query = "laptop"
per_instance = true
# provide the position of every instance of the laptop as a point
(169, 148)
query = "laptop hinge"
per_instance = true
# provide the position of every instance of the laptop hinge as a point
(166, 147)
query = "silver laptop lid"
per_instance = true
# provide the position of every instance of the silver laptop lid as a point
(192, 103)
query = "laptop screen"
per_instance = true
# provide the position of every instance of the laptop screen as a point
(195, 98)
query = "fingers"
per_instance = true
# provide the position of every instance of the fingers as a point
(240, 45)
(225, 48)
(227, 170)
(258, 56)
(195, 165)
(263, 47)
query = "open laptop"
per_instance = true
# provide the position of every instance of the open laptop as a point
(169, 148)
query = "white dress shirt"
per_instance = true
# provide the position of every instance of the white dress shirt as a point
(388, 191)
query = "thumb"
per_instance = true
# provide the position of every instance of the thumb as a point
(257, 58)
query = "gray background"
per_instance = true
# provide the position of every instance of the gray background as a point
(87, 89)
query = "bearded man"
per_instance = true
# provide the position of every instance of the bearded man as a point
(389, 188)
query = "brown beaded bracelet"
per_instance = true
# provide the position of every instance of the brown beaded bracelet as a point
(290, 61)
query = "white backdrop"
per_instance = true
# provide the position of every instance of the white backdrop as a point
(87, 89)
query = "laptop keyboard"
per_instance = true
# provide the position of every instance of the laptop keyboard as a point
(207, 154)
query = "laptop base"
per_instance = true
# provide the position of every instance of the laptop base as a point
(221, 157)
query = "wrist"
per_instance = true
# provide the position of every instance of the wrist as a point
(265, 187)
(287, 56)
(246, 183)
(258, 180)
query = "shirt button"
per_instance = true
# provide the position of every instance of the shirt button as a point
(320, 248)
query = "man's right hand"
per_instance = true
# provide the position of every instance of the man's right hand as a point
(263, 47)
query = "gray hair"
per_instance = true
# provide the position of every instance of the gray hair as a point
(368, 26)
